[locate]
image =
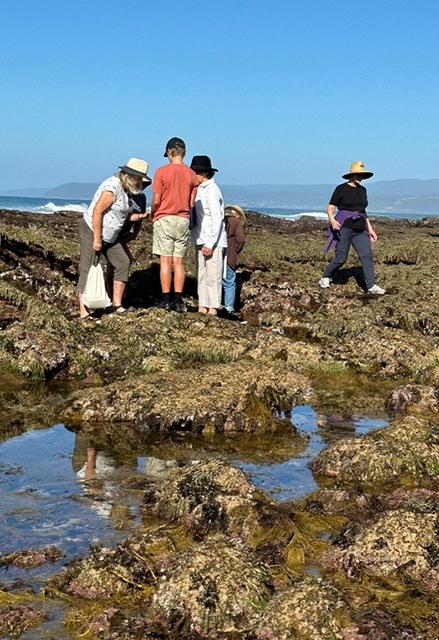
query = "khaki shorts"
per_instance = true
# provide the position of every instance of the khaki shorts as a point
(170, 236)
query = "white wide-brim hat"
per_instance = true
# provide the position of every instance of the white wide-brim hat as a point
(137, 167)
(357, 169)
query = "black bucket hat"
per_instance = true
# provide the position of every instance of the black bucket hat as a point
(202, 164)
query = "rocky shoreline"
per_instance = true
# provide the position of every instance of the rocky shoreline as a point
(215, 557)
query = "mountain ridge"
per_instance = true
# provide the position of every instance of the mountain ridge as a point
(404, 195)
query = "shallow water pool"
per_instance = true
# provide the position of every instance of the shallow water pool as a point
(56, 489)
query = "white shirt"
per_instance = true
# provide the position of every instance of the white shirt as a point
(114, 218)
(208, 226)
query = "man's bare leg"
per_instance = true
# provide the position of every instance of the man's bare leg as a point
(179, 274)
(166, 273)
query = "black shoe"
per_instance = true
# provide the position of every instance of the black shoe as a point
(164, 305)
(178, 307)
(232, 315)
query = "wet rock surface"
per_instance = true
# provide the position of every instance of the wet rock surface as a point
(311, 608)
(408, 449)
(400, 543)
(29, 558)
(214, 588)
(19, 618)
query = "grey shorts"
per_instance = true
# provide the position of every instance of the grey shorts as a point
(115, 254)
(170, 236)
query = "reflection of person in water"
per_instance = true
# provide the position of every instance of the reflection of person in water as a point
(334, 427)
(99, 473)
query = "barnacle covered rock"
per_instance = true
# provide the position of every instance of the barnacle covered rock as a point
(201, 399)
(311, 609)
(400, 543)
(16, 619)
(131, 566)
(213, 588)
(413, 396)
(29, 558)
(409, 448)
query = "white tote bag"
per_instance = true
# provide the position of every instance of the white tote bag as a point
(95, 294)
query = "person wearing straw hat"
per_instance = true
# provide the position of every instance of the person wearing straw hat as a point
(351, 226)
(209, 235)
(102, 223)
(235, 221)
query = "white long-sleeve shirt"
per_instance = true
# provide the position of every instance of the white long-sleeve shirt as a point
(209, 227)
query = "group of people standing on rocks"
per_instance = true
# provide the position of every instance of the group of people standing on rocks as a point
(186, 201)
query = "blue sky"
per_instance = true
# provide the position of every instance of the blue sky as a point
(275, 92)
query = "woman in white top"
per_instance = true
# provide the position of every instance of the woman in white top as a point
(209, 235)
(102, 222)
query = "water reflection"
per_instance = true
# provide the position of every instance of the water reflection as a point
(293, 479)
(63, 488)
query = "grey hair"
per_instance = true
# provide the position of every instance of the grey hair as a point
(129, 182)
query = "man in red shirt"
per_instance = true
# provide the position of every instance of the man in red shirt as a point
(173, 188)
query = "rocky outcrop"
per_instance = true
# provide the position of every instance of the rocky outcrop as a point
(312, 608)
(408, 449)
(400, 543)
(212, 589)
(204, 401)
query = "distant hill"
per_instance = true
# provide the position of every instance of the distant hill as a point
(74, 190)
(400, 196)
(29, 192)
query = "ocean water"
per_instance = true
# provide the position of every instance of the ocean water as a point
(42, 205)
(294, 214)
(45, 206)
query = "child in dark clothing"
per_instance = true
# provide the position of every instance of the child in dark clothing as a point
(235, 221)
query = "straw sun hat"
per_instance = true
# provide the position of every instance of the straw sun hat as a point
(137, 167)
(230, 209)
(357, 169)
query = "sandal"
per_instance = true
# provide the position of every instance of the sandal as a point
(121, 309)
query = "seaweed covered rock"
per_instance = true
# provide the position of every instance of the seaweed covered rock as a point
(348, 501)
(408, 449)
(311, 609)
(400, 543)
(203, 399)
(16, 619)
(415, 396)
(214, 497)
(30, 558)
(213, 588)
(40, 346)
(208, 497)
(131, 566)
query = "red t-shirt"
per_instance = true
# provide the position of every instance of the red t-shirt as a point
(174, 184)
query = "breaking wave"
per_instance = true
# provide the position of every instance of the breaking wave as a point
(51, 207)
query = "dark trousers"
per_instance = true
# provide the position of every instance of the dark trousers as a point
(361, 243)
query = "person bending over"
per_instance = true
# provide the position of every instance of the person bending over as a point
(101, 224)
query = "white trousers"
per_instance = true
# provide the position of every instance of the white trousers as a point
(210, 278)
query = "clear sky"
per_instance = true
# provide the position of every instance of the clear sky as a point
(275, 92)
